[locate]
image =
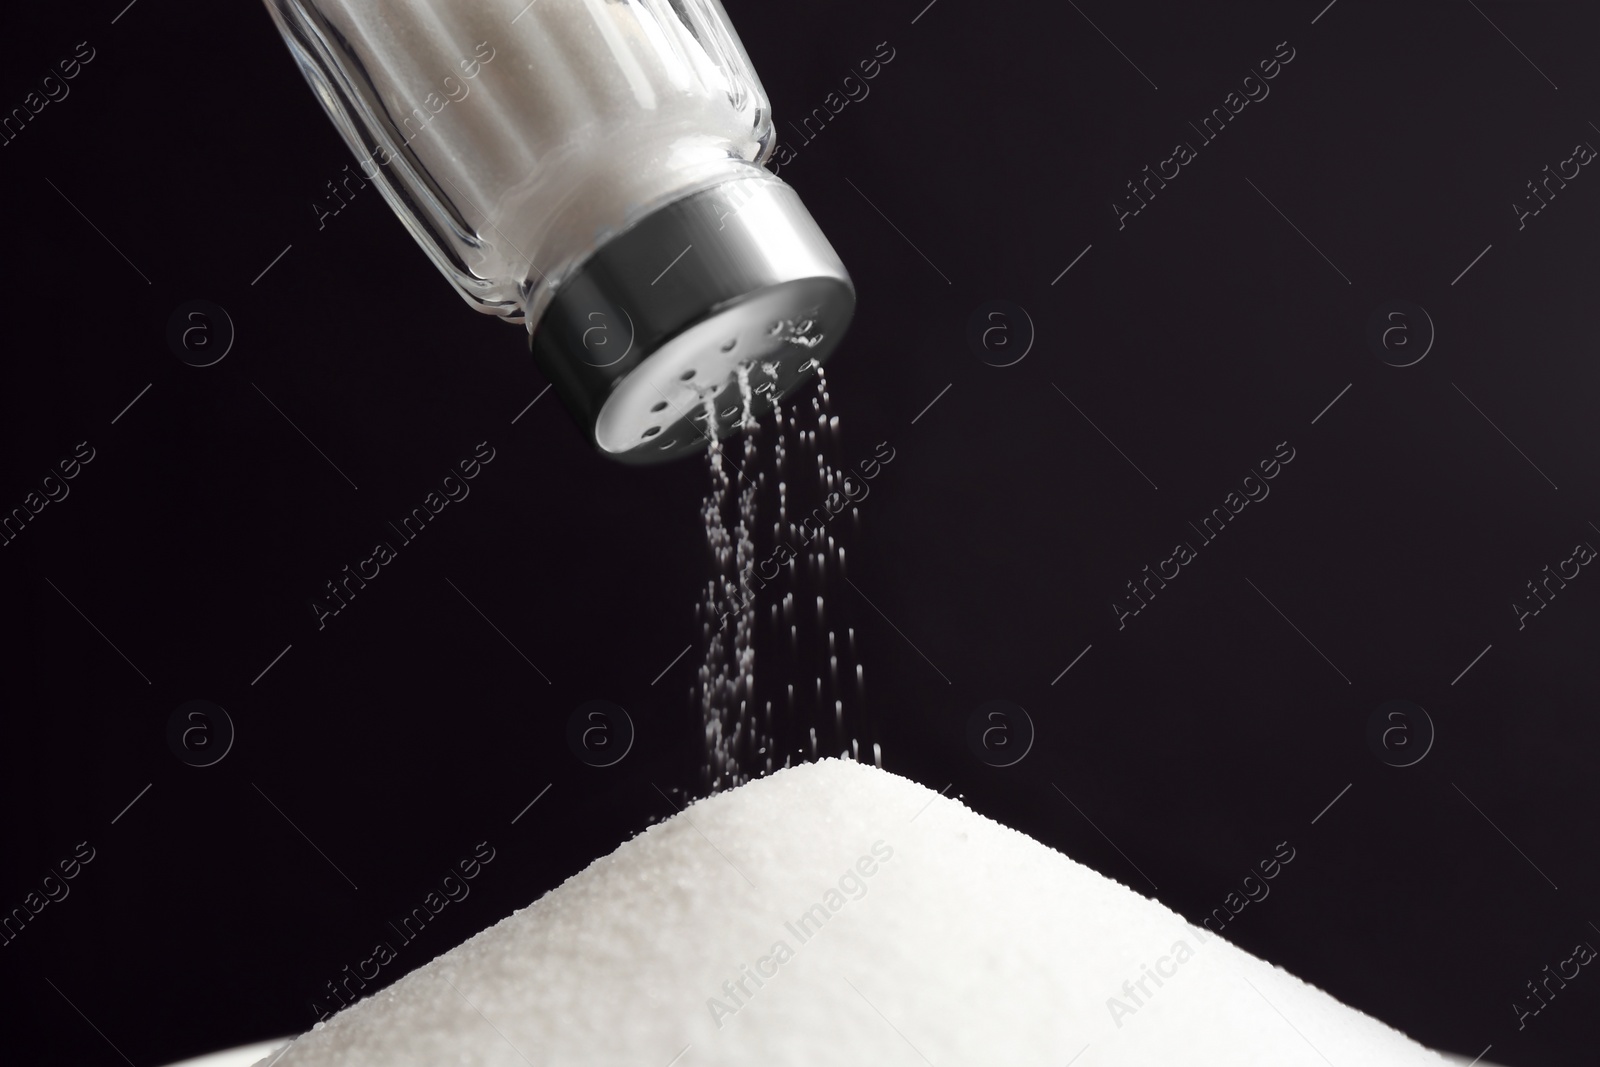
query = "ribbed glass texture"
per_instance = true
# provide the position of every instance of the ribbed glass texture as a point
(513, 138)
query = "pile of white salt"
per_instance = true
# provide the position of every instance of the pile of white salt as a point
(836, 914)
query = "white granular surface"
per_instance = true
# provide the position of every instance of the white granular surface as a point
(937, 937)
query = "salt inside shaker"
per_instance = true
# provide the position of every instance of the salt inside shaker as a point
(592, 169)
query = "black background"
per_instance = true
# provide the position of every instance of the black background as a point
(1197, 338)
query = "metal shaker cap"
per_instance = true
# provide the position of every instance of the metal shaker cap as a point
(701, 315)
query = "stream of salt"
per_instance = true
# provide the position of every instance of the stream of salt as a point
(745, 735)
(726, 679)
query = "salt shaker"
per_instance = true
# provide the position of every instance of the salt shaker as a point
(592, 169)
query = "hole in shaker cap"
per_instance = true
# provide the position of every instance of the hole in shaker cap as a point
(729, 346)
(661, 406)
(686, 375)
(651, 432)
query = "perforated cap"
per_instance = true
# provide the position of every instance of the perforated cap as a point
(726, 299)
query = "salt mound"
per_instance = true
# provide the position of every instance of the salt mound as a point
(836, 914)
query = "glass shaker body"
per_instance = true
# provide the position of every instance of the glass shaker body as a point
(553, 158)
